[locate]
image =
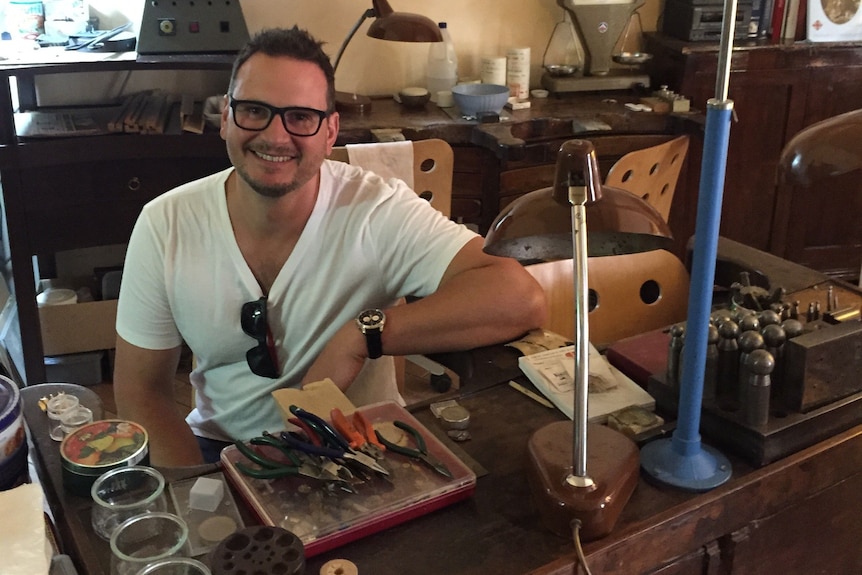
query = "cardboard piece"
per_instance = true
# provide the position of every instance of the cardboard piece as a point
(319, 397)
(89, 326)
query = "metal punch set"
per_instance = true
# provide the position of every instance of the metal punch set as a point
(778, 368)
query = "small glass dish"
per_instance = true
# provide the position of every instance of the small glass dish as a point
(123, 493)
(561, 70)
(632, 58)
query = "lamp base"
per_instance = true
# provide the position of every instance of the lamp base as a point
(612, 464)
(693, 466)
(348, 103)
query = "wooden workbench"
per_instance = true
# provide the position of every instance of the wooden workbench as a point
(799, 515)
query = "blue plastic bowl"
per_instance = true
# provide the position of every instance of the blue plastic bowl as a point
(474, 99)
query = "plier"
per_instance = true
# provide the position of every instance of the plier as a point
(358, 432)
(274, 469)
(332, 440)
(421, 451)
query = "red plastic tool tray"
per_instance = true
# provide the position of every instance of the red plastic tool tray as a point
(325, 519)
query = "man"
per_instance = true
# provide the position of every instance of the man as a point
(264, 268)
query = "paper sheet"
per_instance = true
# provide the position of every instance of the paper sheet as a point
(387, 159)
(23, 543)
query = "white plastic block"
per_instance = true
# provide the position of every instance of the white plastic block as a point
(206, 494)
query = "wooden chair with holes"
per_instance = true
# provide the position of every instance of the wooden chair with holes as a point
(433, 163)
(628, 294)
(651, 173)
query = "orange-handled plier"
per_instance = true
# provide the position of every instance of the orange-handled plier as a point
(359, 433)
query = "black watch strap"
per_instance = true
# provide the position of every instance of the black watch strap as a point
(371, 322)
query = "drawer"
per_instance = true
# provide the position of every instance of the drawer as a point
(101, 182)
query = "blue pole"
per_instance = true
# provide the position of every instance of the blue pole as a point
(712, 174)
(683, 461)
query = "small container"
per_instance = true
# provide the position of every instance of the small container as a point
(124, 492)
(98, 447)
(56, 407)
(144, 539)
(75, 418)
(13, 448)
(176, 566)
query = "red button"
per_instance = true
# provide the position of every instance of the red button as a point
(194, 27)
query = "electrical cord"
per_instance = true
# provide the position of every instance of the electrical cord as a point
(576, 535)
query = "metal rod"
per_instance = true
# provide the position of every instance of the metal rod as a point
(722, 79)
(370, 13)
(579, 476)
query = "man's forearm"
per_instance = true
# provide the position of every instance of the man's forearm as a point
(479, 307)
(172, 443)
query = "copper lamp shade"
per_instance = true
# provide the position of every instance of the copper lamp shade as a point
(402, 26)
(536, 227)
(387, 25)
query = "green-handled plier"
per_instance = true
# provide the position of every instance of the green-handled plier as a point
(421, 451)
(273, 469)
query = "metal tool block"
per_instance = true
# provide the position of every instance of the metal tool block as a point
(822, 366)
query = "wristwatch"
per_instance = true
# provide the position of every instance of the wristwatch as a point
(371, 322)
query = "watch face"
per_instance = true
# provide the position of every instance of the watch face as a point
(371, 319)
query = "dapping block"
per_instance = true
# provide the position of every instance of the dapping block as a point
(612, 463)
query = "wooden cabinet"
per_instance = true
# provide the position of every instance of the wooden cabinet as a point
(777, 90)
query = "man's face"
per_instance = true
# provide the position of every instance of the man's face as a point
(274, 162)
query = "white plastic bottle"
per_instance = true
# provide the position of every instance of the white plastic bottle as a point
(442, 71)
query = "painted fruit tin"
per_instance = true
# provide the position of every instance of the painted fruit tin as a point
(98, 447)
(13, 447)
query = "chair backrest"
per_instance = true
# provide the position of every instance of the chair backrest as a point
(651, 173)
(433, 163)
(628, 294)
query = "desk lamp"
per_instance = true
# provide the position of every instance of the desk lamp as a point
(387, 25)
(585, 473)
(683, 461)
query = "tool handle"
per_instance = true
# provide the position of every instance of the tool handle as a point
(417, 437)
(310, 433)
(343, 426)
(364, 426)
(327, 434)
(252, 455)
(328, 452)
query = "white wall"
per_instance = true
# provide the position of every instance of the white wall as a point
(478, 28)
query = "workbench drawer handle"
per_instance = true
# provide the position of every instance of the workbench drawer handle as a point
(134, 184)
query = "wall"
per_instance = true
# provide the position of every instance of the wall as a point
(478, 28)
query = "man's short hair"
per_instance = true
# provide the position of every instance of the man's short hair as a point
(293, 43)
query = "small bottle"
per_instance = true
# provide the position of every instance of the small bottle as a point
(442, 73)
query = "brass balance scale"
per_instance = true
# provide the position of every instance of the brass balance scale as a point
(592, 35)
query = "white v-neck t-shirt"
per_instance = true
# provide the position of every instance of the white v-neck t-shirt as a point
(367, 243)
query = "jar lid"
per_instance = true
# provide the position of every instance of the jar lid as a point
(10, 402)
(104, 444)
(56, 296)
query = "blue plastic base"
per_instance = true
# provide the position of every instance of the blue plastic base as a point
(700, 470)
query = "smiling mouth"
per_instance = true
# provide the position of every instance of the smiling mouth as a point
(271, 158)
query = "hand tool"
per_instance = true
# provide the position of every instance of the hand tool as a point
(103, 37)
(421, 451)
(359, 433)
(331, 438)
(273, 469)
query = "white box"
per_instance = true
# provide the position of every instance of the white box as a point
(834, 20)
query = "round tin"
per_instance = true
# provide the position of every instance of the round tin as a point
(100, 446)
(13, 447)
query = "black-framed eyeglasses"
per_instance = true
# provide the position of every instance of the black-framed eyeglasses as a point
(257, 116)
(262, 357)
